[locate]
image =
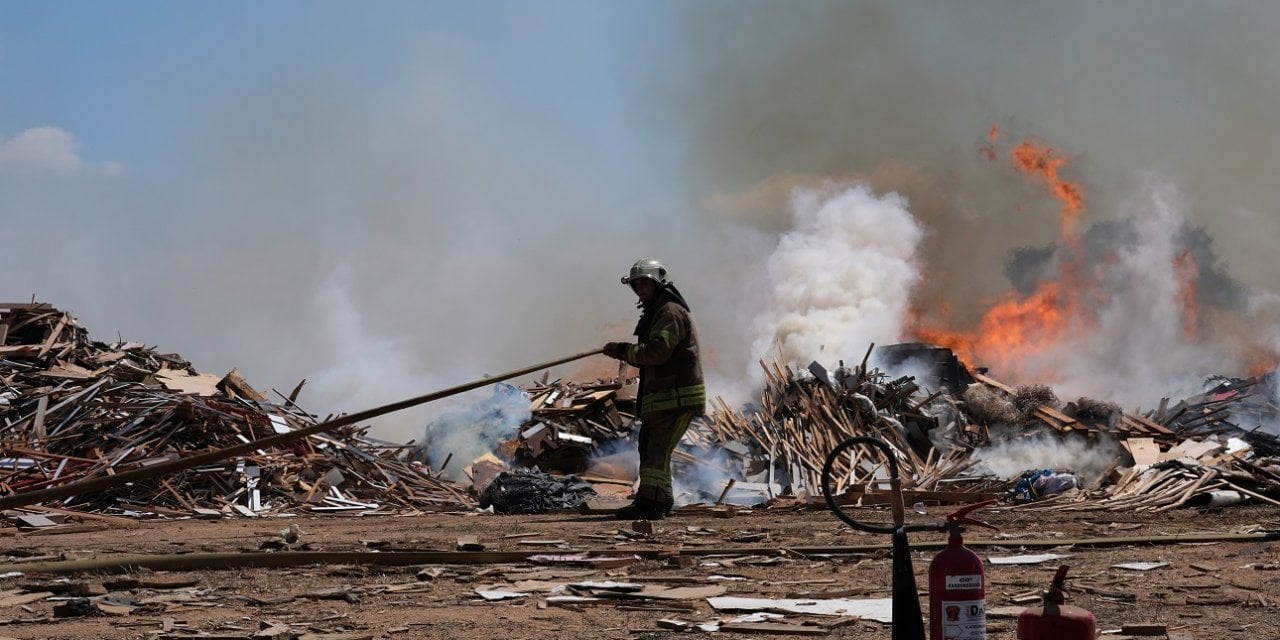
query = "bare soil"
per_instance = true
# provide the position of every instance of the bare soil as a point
(1209, 590)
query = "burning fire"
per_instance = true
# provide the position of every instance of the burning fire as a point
(1017, 327)
(1188, 270)
(1021, 335)
(1012, 329)
(1039, 160)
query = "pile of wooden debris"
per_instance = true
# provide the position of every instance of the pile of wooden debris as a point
(1190, 454)
(74, 409)
(773, 451)
(570, 422)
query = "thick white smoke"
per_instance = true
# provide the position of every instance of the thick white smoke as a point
(841, 277)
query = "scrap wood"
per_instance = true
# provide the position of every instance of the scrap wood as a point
(1144, 451)
(570, 423)
(80, 411)
(114, 520)
(776, 628)
(800, 420)
(134, 431)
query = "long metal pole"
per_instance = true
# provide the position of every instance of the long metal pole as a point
(163, 468)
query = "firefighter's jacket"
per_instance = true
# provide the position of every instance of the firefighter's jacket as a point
(667, 355)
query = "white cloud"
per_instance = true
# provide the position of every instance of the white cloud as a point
(39, 150)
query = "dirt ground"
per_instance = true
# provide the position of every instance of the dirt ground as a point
(1208, 590)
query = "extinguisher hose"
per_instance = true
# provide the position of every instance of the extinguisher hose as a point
(843, 449)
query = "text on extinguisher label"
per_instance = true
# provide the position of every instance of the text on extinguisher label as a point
(964, 619)
(973, 582)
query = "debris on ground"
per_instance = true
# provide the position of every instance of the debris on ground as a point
(532, 491)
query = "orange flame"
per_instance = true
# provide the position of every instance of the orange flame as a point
(988, 148)
(1040, 160)
(1262, 364)
(1017, 327)
(1188, 271)
(1011, 330)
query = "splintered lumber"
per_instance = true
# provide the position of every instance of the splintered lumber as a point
(800, 420)
(1047, 414)
(571, 423)
(113, 436)
(773, 628)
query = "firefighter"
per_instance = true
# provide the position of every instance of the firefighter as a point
(671, 386)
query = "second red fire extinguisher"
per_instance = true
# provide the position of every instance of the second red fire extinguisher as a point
(1055, 620)
(957, 584)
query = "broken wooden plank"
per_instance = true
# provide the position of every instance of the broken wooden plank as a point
(773, 628)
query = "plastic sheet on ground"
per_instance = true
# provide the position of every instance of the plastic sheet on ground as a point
(525, 492)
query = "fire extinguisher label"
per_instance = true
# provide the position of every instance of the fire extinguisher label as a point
(964, 583)
(964, 619)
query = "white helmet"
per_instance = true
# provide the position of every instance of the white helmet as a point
(648, 268)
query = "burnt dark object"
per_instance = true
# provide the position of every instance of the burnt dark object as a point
(533, 491)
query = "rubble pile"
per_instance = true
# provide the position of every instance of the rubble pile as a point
(570, 421)
(1195, 453)
(1232, 406)
(1182, 455)
(801, 418)
(74, 409)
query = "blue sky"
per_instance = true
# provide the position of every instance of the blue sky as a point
(387, 198)
(129, 79)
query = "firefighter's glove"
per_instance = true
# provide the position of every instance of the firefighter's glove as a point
(617, 350)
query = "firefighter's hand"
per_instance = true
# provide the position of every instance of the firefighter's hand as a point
(616, 350)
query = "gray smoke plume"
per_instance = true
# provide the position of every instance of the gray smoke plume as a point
(904, 96)
(470, 432)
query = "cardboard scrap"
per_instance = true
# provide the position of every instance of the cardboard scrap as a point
(494, 595)
(11, 599)
(878, 609)
(660, 592)
(200, 384)
(1145, 451)
(1029, 558)
(1140, 566)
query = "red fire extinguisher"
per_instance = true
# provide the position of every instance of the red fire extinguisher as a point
(957, 584)
(957, 596)
(1054, 620)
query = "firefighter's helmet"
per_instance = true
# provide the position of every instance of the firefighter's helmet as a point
(648, 268)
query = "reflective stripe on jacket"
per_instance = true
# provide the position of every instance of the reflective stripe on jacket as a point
(667, 354)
